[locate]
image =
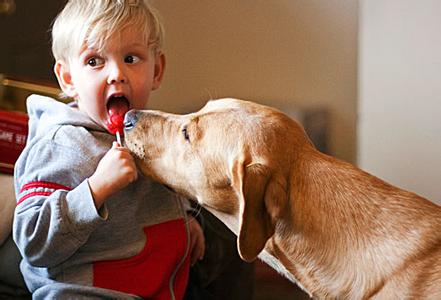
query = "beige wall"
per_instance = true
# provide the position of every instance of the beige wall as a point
(284, 53)
(400, 93)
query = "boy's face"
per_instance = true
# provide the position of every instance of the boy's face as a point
(124, 68)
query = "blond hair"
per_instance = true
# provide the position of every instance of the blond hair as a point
(92, 22)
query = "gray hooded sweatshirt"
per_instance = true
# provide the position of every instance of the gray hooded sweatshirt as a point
(136, 245)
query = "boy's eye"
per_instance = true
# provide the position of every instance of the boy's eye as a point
(131, 59)
(94, 61)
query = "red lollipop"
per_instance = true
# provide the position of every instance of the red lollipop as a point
(115, 123)
(116, 109)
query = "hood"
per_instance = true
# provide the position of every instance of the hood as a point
(45, 112)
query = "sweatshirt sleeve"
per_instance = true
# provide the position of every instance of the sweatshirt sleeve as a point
(55, 212)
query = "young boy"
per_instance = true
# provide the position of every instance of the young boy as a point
(87, 225)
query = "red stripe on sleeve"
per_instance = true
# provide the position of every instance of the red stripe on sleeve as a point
(44, 184)
(32, 195)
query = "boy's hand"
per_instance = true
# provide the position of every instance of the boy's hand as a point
(197, 241)
(115, 171)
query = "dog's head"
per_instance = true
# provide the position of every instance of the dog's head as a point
(233, 156)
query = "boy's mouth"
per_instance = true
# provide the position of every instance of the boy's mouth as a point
(117, 107)
(117, 101)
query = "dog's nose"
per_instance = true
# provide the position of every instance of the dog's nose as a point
(130, 120)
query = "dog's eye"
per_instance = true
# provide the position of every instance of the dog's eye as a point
(185, 133)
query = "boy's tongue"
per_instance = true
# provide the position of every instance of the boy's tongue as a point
(116, 109)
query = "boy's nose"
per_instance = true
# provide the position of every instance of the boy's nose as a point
(116, 75)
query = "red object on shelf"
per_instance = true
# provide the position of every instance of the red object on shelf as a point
(13, 136)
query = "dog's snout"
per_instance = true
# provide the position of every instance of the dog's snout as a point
(130, 120)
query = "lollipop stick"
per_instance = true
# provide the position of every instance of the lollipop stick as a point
(118, 138)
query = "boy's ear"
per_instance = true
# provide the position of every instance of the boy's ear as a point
(62, 72)
(159, 70)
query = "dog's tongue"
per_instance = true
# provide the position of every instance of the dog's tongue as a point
(116, 110)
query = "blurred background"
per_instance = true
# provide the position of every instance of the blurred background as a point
(372, 65)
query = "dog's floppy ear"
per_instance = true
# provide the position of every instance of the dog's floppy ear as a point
(262, 196)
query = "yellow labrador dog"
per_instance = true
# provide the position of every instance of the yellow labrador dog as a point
(337, 231)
